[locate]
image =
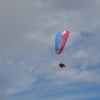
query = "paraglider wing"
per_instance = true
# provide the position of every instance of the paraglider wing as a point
(60, 41)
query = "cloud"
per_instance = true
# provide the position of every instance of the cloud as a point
(80, 54)
(27, 33)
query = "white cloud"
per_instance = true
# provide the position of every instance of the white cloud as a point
(80, 54)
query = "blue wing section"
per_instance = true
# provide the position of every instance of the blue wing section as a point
(58, 41)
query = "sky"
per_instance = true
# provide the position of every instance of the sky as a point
(28, 63)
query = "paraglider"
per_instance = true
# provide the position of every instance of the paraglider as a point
(62, 65)
(60, 41)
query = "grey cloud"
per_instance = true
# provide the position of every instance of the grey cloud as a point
(21, 17)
